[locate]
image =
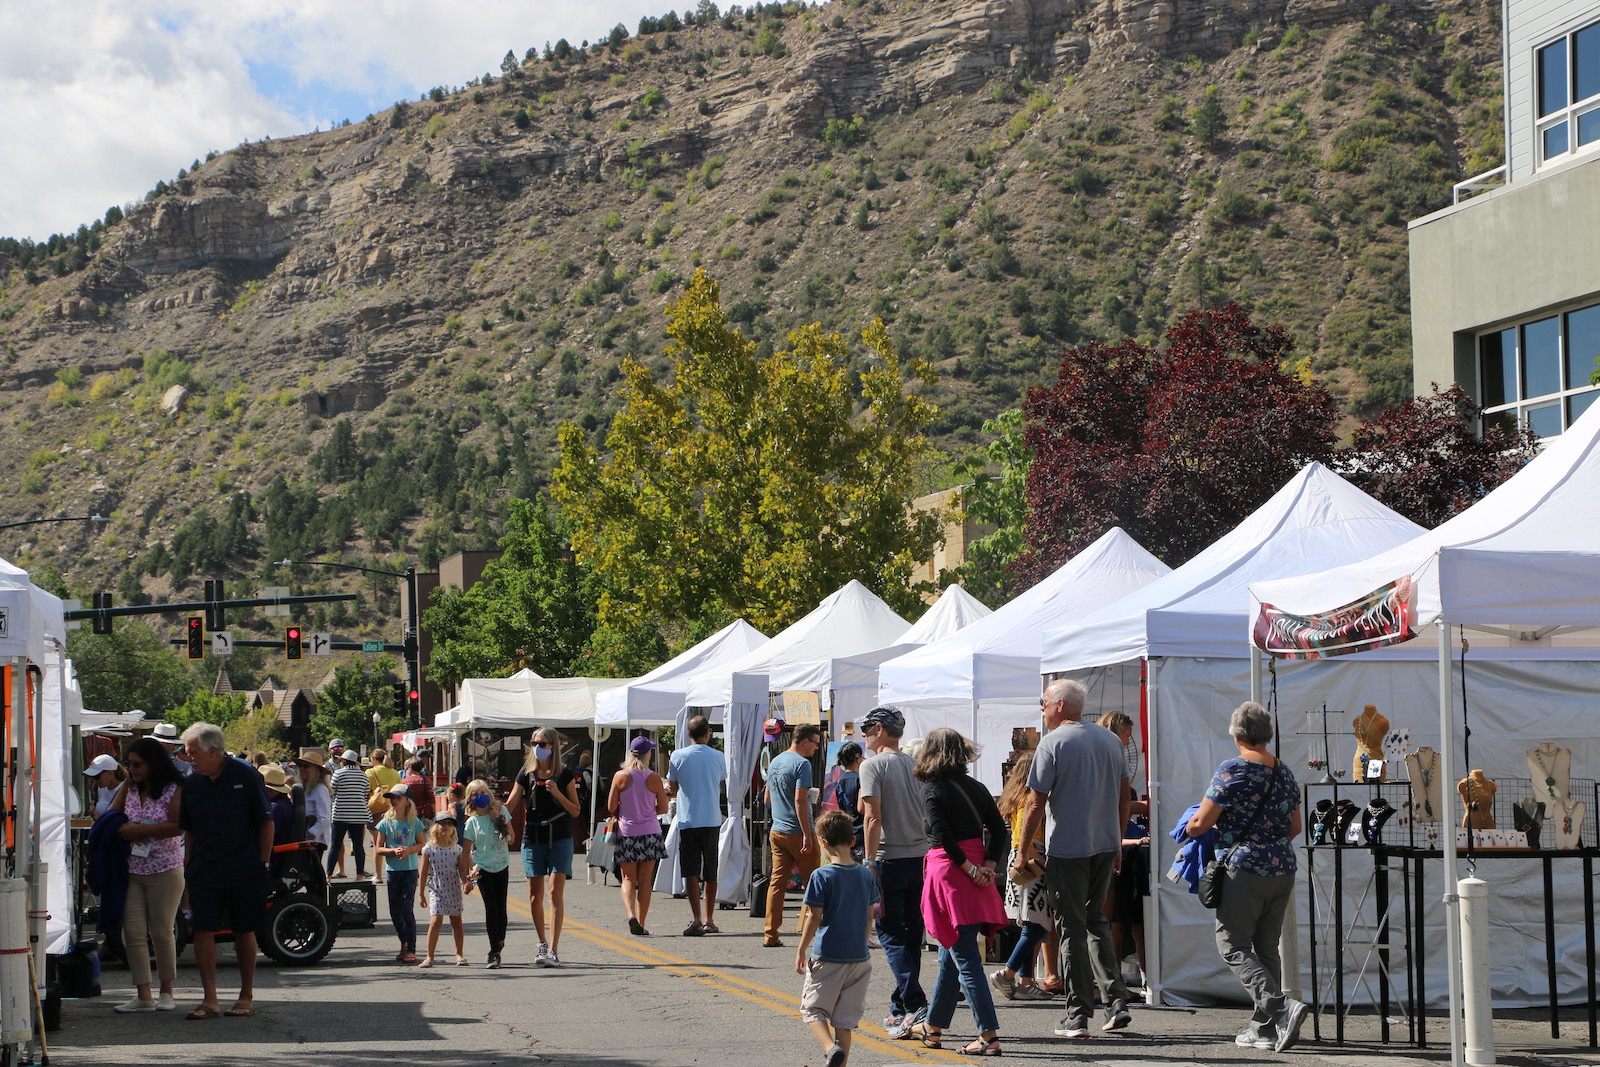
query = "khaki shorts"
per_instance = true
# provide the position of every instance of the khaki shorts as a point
(835, 993)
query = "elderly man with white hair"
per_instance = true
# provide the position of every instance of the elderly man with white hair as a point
(228, 833)
(1080, 776)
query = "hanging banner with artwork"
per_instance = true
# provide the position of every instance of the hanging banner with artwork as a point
(1382, 618)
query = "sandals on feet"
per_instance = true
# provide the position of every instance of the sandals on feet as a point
(981, 1048)
(204, 1011)
(929, 1037)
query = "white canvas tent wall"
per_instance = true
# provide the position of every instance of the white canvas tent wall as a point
(63, 706)
(984, 680)
(849, 684)
(523, 703)
(655, 698)
(1522, 565)
(1184, 624)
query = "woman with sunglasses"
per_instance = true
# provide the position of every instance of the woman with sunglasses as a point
(150, 798)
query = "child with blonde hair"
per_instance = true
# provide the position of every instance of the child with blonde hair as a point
(442, 876)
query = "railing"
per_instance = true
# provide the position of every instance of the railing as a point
(1489, 179)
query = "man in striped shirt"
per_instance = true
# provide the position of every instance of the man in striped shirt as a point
(349, 811)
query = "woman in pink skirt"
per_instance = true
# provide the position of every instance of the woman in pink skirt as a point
(960, 892)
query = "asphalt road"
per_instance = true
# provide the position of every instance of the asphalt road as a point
(658, 1001)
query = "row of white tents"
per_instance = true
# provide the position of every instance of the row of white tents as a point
(1519, 570)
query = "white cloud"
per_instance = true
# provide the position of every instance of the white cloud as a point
(100, 99)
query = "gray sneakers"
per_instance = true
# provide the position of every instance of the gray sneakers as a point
(1264, 1038)
(1117, 1016)
(1289, 1023)
(1075, 1028)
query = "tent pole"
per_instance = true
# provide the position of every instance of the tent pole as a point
(38, 896)
(1447, 840)
(1154, 978)
(1289, 934)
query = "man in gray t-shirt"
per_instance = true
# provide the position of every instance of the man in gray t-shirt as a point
(897, 842)
(1080, 776)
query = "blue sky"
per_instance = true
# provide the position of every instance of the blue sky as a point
(100, 99)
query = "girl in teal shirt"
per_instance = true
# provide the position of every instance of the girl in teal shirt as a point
(400, 836)
(489, 831)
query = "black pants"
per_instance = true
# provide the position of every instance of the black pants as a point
(492, 884)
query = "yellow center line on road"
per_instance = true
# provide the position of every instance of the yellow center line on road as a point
(778, 1001)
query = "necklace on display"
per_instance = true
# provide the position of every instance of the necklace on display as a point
(1538, 755)
(1427, 778)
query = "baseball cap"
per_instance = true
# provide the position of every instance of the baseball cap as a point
(446, 815)
(100, 764)
(640, 745)
(773, 727)
(398, 790)
(885, 715)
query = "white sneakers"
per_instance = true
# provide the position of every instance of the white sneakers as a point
(164, 1002)
(135, 1005)
(1294, 1014)
(541, 955)
(1250, 1037)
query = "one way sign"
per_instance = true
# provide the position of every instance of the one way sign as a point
(321, 643)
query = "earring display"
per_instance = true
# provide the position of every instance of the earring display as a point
(1396, 744)
(1426, 802)
(1477, 797)
(1550, 767)
(1370, 728)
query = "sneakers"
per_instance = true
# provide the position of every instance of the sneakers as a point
(164, 1002)
(541, 955)
(129, 1006)
(1004, 984)
(1251, 1037)
(494, 962)
(552, 960)
(1076, 1028)
(901, 1029)
(837, 1056)
(1030, 992)
(1117, 1016)
(873, 942)
(1294, 1014)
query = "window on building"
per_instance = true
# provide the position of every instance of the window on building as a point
(1568, 72)
(1537, 372)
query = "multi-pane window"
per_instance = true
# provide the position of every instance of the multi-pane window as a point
(1538, 371)
(1568, 72)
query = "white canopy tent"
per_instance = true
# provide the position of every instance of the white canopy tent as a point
(655, 698)
(1187, 626)
(1520, 572)
(523, 703)
(984, 679)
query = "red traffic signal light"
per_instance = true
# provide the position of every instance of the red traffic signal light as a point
(291, 642)
(195, 637)
(412, 695)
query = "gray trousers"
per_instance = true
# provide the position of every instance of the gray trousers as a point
(1249, 922)
(1078, 889)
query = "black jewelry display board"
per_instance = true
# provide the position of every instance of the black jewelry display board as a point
(1412, 931)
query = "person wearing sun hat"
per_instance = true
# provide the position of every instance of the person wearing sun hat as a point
(312, 764)
(167, 734)
(349, 812)
(278, 795)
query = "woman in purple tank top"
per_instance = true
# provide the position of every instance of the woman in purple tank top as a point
(638, 799)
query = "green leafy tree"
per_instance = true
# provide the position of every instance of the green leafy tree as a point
(220, 711)
(535, 607)
(751, 484)
(131, 667)
(259, 731)
(346, 704)
(1208, 121)
(996, 493)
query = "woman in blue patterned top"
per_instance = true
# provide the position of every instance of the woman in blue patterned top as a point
(1253, 804)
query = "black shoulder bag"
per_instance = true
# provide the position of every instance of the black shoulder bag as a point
(1215, 877)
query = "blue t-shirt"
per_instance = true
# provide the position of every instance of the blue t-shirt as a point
(790, 771)
(699, 771)
(844, 893)
(397, 834)
(1237, 788)
(489, 850)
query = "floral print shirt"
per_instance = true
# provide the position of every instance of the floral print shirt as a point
(1238, 788)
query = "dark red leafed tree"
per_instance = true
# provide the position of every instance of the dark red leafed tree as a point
(1425, 459)
(1175, 445)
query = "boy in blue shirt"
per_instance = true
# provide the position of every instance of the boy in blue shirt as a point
(837, 913)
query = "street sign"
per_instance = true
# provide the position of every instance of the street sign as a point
(222, 642)
(276, 610)
(321, 643)
(372, 646)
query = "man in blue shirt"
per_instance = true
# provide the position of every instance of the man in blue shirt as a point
(788, 795)
(228, 836)
(695, 775)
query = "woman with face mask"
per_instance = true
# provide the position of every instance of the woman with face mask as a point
(488, 829)
(546, 793)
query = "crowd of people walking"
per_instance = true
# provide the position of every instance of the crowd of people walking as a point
(911, 847)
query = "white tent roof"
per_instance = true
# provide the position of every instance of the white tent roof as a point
(956, 609)
(997, 657)
(28, 616)
(657, 696)
(1199, 609)
(1527, 554)
(850, 620)
(523, 703)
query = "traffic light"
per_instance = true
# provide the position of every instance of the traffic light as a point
(196, 634)
(291, 642)
(216, 611)
(101, 624)
(401, 694)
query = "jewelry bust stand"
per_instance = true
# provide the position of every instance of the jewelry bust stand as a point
(1477, 798)
(1550, 767)
(1370, 729)
(1426, 800)
(1566, 821)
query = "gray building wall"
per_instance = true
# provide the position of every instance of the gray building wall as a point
(1531, 23)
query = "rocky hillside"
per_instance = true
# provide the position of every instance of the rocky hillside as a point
(361, 339)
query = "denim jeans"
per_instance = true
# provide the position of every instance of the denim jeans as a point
(402, 899)
(1021, 961)
(900, 931)
(356, 832)
(962, 966)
